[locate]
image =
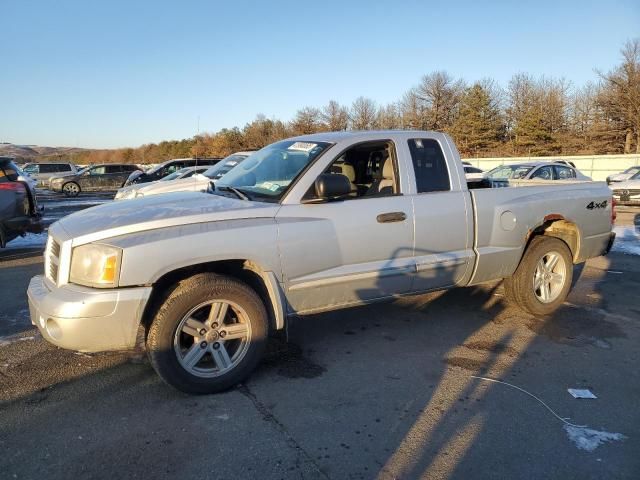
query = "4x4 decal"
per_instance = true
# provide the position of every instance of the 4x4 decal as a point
(593, 205)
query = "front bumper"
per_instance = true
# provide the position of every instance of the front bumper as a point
(86, 319)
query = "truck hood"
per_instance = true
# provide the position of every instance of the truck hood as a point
(158, 211)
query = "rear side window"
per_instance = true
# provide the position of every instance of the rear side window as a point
(48, 168)
(114, 169)
(8, 172)
(543, 173)
(63, 167)
(564, 173)
(429, 165)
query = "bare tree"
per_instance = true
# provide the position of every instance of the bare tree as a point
(363, 114)
(624, 95)
(335, 116)
(307, 120)
(388, 117)
(439, 94)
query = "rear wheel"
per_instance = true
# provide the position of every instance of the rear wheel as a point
(542, 281)
(71, 189)
(208, 335)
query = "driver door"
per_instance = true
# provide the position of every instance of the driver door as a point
(351, 251)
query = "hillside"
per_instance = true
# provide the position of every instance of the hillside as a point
(29, 153)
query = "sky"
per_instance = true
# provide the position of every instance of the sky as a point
(125, 73)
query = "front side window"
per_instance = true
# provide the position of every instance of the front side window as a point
(97, 171)
(370, 167)
(429, 165)
(267, 174)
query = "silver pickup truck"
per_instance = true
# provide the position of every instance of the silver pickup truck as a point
(305, 225)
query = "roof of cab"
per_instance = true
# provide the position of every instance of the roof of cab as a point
(361, 134)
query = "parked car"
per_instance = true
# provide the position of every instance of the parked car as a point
(103, 177)
(132, 190)
(473, 173)
(626, 175)
(19, 212)
(305, 225)
(24, 177)
(200, 182)
(534, 171)
(627, 192)
(166, 168)
(42, 172)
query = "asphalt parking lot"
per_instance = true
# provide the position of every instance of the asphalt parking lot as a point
(382, 391)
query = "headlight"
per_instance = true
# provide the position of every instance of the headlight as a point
(95, 265)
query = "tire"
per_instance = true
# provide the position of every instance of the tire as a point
(535, 287)
(188, 341)
(71, 189)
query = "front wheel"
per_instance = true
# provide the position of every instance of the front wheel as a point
(542, 281)
(208, 335)
(71, 189)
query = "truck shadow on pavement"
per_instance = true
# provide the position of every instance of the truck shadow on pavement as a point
(383, 390)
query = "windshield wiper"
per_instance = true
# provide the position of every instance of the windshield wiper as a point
(239, 193)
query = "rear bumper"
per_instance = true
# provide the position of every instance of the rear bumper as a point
(86, 319)
(32, 224)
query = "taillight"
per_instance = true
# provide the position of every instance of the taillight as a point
(613, 211)
(13, 186)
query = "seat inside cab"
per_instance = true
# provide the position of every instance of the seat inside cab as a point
(370, 167)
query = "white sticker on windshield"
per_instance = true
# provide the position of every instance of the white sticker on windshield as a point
(231, 163)
(303, 146)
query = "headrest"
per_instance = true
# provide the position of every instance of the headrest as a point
(345, 169)
(387, 169)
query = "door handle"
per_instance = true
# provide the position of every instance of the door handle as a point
(391, 217)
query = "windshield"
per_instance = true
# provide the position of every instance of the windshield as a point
(636, 176)
(223, 166)
(82, 170)
(268, 173)
(509, 172)
(633, 170)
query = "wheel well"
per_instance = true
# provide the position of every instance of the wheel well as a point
(559, 228)
(243, 270)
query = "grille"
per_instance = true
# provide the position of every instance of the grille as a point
(55, 248)
(52, 260)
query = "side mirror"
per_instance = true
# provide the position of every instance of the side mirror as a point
(332, 186)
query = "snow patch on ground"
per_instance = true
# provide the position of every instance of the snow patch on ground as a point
(627, 240)
(30, 240)
(4, 341)
(589, 439)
